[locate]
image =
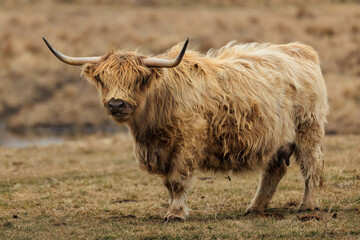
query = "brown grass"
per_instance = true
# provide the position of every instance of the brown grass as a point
(93, 189)
(38, 90)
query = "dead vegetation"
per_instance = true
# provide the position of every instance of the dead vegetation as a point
(93, 189)
(37, 90)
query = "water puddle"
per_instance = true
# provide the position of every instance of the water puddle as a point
(49, 136)
(11, 140)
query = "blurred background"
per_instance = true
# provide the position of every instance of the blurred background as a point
(43, 100)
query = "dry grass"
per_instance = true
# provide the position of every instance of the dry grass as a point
(37, 90)
(93, 189)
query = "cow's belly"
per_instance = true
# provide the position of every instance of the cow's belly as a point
(236, 163)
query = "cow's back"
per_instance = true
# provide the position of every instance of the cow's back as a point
(258, 95)
(250, 98)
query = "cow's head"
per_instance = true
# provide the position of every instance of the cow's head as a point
(120, 78)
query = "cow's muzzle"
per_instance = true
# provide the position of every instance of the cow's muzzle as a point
(117, 107)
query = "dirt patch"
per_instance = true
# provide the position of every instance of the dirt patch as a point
(275, 215)
(309, 217)
(291, 204)
(278, 216)
(60, 224)
(124, 216)
(125, 201)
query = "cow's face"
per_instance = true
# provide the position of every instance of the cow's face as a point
(121, 81)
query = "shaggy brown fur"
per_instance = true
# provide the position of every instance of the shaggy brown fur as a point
(231, 109)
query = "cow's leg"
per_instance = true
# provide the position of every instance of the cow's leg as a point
(269, 180)
(178, 187)
(309, 156)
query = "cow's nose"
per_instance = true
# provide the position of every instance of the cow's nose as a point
(115, 105)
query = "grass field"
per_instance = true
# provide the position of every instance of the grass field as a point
(92, 189)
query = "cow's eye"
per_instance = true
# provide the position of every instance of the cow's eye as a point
(143, 81)
(97, 78)
(98, 81)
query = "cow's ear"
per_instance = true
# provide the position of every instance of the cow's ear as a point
(87, 71)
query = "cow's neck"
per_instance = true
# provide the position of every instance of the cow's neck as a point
(156, 114)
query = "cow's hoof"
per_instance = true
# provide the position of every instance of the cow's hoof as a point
(250, 211)
(306, 208)
(255, 209)
(172, 219)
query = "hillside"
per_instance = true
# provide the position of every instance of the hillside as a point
(36, 90)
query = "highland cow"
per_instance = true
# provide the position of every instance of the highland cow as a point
(241, 108)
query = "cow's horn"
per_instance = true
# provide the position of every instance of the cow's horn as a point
(77, 61)
(165, 63)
